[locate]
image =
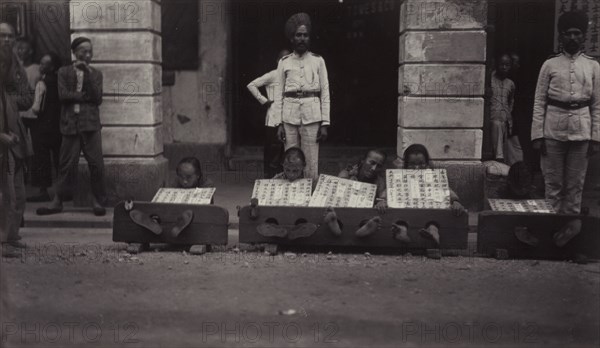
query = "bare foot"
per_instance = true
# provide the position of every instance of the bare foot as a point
(400, 233)
(332, 222)
(369, 228)
(568, 232)
(302, 230)
(524, 236)
(145, 221)
(183, 221)
(271, 230)
(431, 232)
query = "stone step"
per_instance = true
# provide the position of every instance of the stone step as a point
(71, 217)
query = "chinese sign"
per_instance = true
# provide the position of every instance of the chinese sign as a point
(184, 196)
(523, 206)
(332, 191)
(275, 192)
(418, 188)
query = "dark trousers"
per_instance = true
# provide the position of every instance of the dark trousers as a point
(273, 153)
(91, 145)
(46, 148)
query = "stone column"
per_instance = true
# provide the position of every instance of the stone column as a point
(441, 83)
(127, 49)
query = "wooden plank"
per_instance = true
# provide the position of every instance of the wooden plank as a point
(453, 230)
(208, 227)
(496, 231)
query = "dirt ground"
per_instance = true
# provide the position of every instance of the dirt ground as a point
(94, 293)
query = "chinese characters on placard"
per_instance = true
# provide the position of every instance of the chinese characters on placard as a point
(184, 196)
(275, 192)
(332, 191)
(523, 206)
(418, 188)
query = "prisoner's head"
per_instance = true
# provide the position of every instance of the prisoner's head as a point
(294, 163)
(298, 29)
(416, 156)
(372, 164)
(82, 49)
(189, 172)
(572, 27)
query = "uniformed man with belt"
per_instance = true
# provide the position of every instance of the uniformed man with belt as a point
(301, 106)
(566, 120)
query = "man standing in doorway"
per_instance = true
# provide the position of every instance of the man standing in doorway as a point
(301, 107)
(273, 151)
(80, 93)
(566, 120)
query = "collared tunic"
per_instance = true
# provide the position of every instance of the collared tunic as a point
(503, 92)
(268, 80)
(306, 73)
(567, 78)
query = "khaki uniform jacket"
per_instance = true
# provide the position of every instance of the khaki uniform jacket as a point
(306, 73)
(567, 78)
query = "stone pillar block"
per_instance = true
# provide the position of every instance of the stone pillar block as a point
(442, 46)
(442, 14)
(443, 144)
(440, 112)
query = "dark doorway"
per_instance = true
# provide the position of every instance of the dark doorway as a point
(359, 42)
(526, 28)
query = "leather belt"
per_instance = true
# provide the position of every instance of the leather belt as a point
(301, 94)
(569, 105)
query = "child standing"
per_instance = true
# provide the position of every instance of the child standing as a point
(502, 100)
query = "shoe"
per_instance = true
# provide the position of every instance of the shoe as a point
(43, 197)
(48, 211)
(183, 221)
(145, 221)
(303, 230)
(99, 211)
(15, 243)
(568, 232)
(9, 251)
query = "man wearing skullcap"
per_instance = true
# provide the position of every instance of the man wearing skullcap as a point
(301, 106)
(566, 120)
(15, 147)
(80, 92)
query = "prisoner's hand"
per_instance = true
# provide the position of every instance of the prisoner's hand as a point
(457, 208)
(381, 206)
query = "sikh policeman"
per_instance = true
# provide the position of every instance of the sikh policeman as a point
(566, 120)
(301, 106)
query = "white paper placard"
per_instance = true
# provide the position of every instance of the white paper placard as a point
(524, 206)
(418, 188)
(278, 192)
(184, 196)
(332, 191)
